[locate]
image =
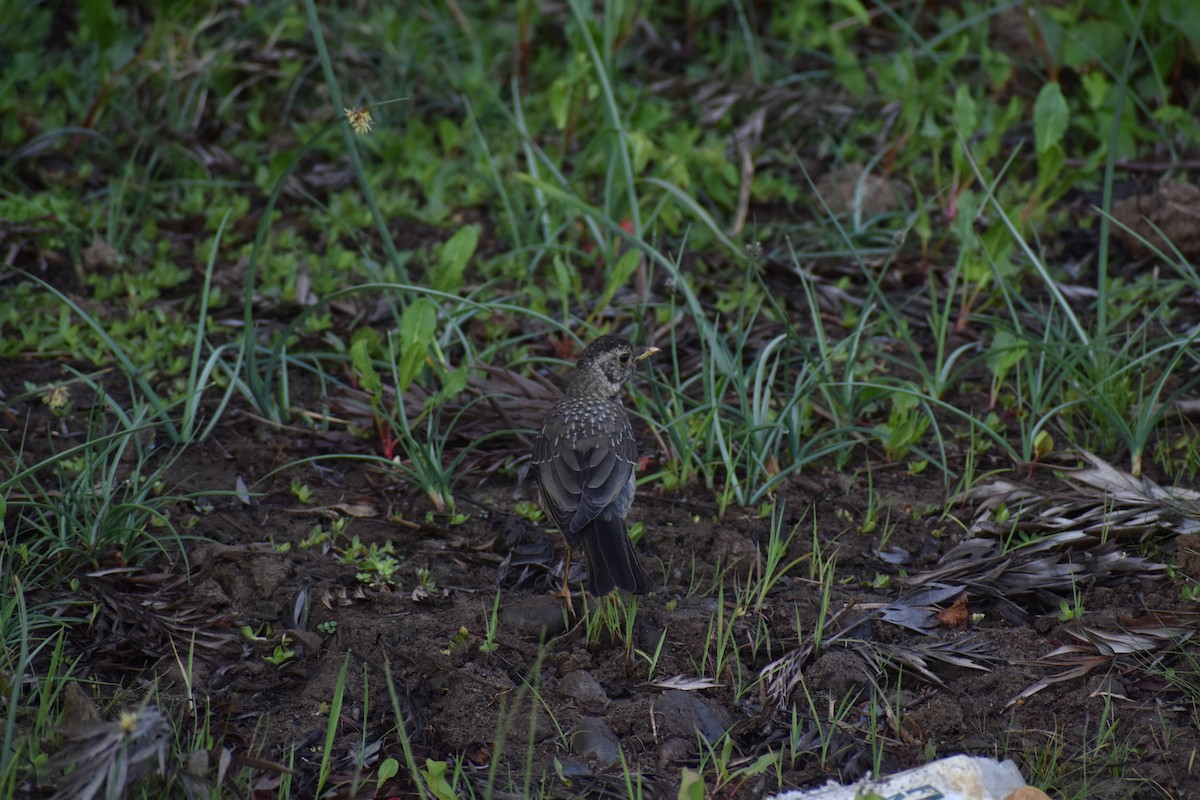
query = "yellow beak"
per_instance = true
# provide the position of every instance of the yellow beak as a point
(649, 351)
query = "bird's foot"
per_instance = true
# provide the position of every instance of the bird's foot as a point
(565, 594)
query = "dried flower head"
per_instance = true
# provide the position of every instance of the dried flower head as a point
(57, 397)
(105, 759)
(360, 119)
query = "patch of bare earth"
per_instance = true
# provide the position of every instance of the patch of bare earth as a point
(547, 700)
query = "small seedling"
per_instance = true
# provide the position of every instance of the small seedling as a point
(377, 565)
(302, 491)
(282, 653)
(251, 635)
(1072, 609)
(528, 510)
(772, 566)
(1068, 612)
(871, 515)
(426, 579)
(460, 637)
(317, 536)
(489, 644)
(652, 659)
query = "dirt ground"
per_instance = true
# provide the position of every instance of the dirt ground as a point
(938, 636)
(550, 708)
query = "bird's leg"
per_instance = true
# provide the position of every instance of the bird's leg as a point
(565, 591)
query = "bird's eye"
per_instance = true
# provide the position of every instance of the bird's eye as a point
(625, 357)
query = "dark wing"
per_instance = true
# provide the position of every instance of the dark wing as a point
(583, 470)
(558, 483)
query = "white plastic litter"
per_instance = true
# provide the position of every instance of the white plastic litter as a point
(954, 778)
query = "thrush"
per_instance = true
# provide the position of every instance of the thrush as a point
(585, 457)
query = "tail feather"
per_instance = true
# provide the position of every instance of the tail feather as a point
(611, 560)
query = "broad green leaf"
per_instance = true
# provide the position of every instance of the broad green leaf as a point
(435, 779)
(447, 273)
(765, 762)
(1050, 164)
(619, 275)
(998, 67)
(450, 136)
(1043, 445)
(453, 382)
(963, 226)
(417, 328)
(361, 347)
(966, 117)
(1050, 117)
(563, 273)
(642, 148)
(1006, 352)
(559, 100)
(691, 785)
(388, 769)
(930, 129)
(857, 9)
(904, 402)
(849, 68)
(1182, 14)
(974, 269)
(1092, 41)
(1095, 88)
(98, 22)
(905, 426)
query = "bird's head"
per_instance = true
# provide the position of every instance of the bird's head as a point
(605, 365)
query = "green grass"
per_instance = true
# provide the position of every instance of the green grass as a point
(197, 230)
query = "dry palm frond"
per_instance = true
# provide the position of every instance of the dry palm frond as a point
(139, 615)
(109, 756)
(1122, 648)
(685, 683)
(1101, 501)
(781, 677)
(1068, 538)
(924, 658)
(1038, 574)
(918, 610)
(919, 657)
(1146, 634)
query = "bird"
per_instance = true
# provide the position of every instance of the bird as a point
(585, 456)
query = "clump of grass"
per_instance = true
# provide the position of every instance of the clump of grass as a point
(109, 757)
(105, 497)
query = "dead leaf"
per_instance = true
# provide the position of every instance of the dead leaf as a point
(685, 683)
(956, 617)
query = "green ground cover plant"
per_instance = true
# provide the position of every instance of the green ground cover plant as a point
(286, 291)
